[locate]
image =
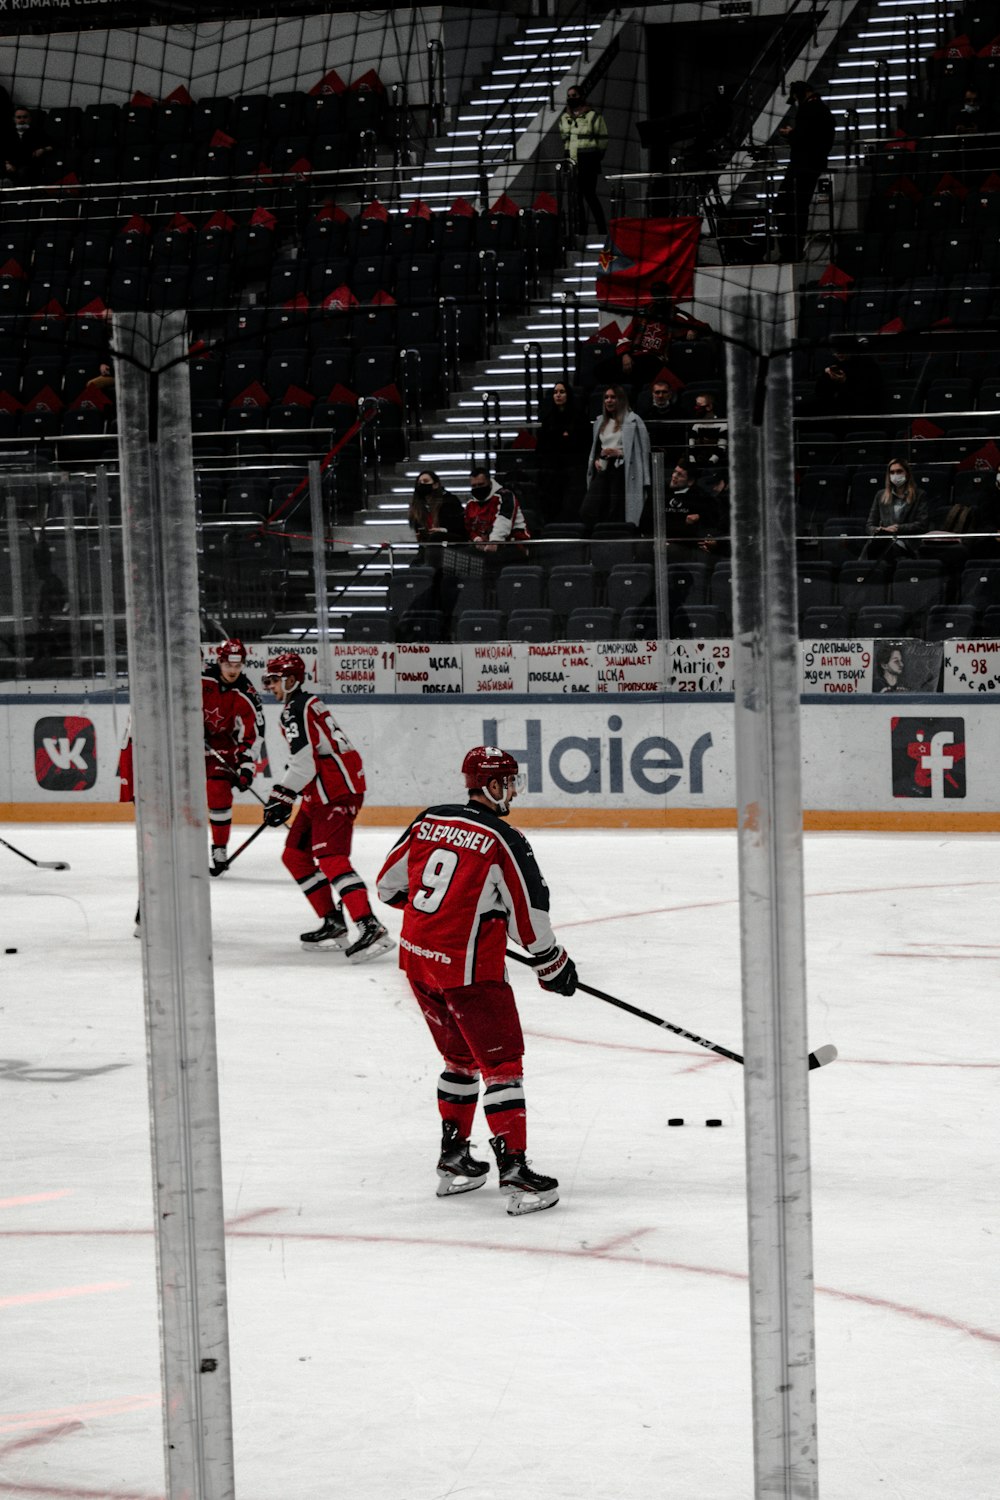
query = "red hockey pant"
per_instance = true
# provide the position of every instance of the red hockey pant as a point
(477, 1030)
(317, 856)
(220, 808)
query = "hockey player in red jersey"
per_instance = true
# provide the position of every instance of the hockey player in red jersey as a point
(234, 720)
(325, 769)
(466, 879)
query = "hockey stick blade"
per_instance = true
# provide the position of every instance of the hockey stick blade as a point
(39, 864)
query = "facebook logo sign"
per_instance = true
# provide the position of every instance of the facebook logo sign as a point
(928, 758)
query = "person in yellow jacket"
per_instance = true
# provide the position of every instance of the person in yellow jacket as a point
(585, 140)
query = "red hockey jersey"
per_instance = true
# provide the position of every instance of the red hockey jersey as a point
(232, 714)
(466, 879)
(323, 764)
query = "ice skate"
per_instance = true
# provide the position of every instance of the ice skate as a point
(220, 860)
(526, 1191)
(372, 940)
(458, 1170)
(330, 933)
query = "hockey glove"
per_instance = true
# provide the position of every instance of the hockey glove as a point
(556, 971)
(244, 776)
(278, 808)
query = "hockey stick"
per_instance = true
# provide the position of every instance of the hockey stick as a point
(39, 864)
(817, 1059)
(239, 849)
(225, 767)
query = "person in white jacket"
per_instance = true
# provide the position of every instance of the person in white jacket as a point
(618, 470)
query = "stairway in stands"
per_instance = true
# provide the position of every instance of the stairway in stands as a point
(848, 82)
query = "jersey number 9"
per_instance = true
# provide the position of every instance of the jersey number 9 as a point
(435, 879)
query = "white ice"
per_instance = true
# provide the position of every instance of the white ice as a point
(388, 1345)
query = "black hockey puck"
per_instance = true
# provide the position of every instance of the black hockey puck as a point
(675, 1122)
(10, 950)
(713, 1122)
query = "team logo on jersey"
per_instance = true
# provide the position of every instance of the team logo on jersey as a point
(928, 758)
(65, 754)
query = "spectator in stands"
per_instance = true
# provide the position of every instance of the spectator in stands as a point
(715, 484)
(657, 406)
(494, 521)
(104, 380)
(707, 438)
(626, 365)
(561, 451)
(986, 521)
(618, 469)
(899, 510)
(850, 384)
(26, 151)
(585, 140)
(811, 139)
(690, 512)
(436, 515)
(973, 118)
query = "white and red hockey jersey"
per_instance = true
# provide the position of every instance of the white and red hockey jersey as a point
(466, 879)
(322, 763)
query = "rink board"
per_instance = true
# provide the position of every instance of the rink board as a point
(646, 760)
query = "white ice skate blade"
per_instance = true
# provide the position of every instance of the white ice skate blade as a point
(449, 1185)
(330, 945)
(519, 1202)
(380, 945)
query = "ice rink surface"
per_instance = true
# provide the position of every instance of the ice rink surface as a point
(387, 1345)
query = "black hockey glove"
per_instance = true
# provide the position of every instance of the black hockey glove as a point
(278, 808)
(556, 971)
(244, 776)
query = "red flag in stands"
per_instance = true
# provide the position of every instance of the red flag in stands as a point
(296, 396)
(96, 308)
(837, 280)
(545, 203)
(181, 224)
(525, 439)
(139, 100)
(52, 309)
(252, 395)
(389, 393)
(220, 138)
(646, 259)
(45, 400)
(341, 395)
(179, 95)
(369, 80)
(300, 169)
(298, 303)
(383, 299)
(923, 427)
(375, 210)
(136, 225)
(894, 325)
(12, 270)
(959, 46)
(263, 216)
(9, 402)
(340, 298)
(904, 187)
(505, 205)
(986, 457)
(219, 220)
(991, 184)
(334, 212)
(330, 83)
(992, 49)
(418, 210)
(949, 183)
(91, 398)
(462, 208)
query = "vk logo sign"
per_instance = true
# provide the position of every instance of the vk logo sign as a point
(65, 754)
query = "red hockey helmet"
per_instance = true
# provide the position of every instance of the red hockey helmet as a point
(231, 651)
(485, 763)
(285, 664)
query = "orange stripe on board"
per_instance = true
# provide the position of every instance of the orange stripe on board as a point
(813, 820)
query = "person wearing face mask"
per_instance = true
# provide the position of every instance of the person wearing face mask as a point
(494, 521)
(26, 151)
(899, 510)
(585, 139)
(435, 513)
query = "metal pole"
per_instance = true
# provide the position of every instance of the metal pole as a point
(72, 582)
(769, 813)
(103, 513)
(319, 573)
(660, 575)
(161, 590)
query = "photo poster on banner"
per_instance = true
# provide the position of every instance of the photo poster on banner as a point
(906, 666)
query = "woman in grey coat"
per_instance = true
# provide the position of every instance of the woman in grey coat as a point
(899, 510)
(618, 470)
